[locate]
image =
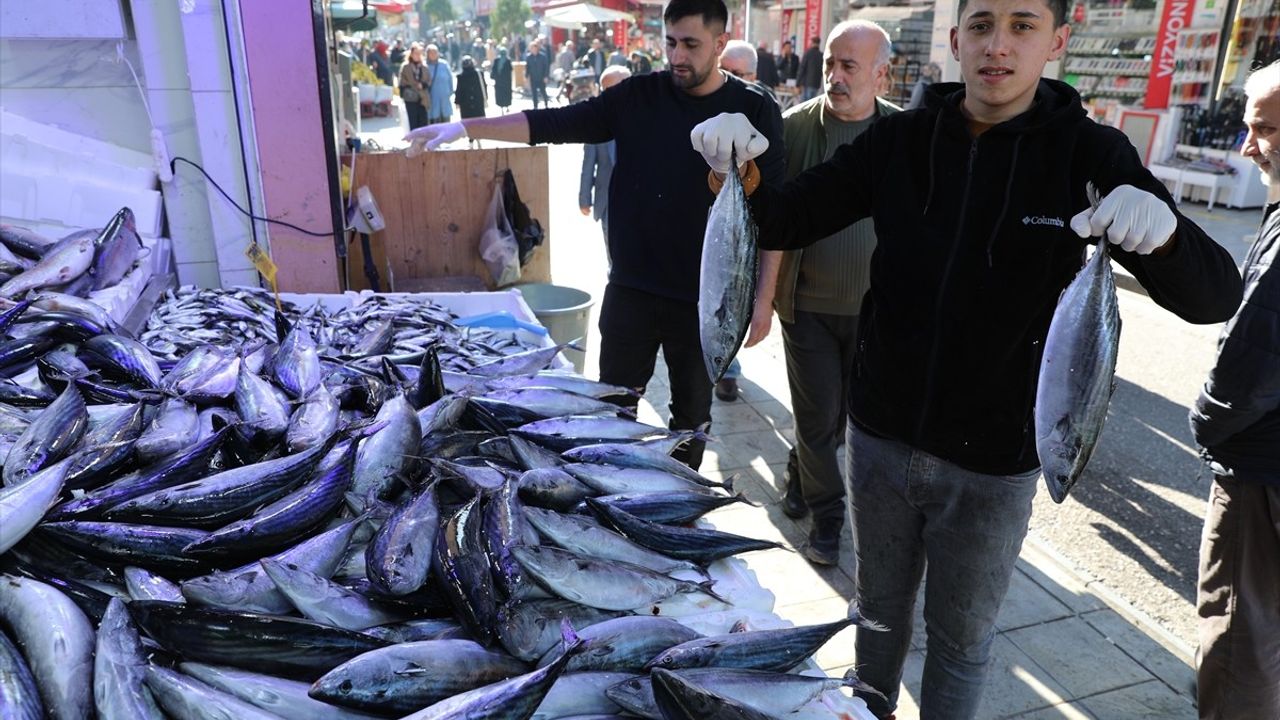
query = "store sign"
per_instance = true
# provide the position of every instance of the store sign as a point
(787, 17)
(1176, 16)
(812, 22)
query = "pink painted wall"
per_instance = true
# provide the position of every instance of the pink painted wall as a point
(280, 45)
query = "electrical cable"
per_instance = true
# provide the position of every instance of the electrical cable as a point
(173, 165)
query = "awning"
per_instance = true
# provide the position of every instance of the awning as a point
(391, 6)
(578, 14)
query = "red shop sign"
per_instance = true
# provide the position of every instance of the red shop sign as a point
(1176, 16)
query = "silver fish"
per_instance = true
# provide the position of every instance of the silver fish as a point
(174, 428)
(604, 584)
(286, 698)
(143, 584)
(49, 438)
(727, 280)
(19, 698)
(22, 506)
(315, 420)
(1077, 372)
(67, 260)
(116, 249)
(187, 698)
(575, 694)
(325, 601)
(58, 639)
(119, 669)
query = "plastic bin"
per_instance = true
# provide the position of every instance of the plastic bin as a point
(564, 312)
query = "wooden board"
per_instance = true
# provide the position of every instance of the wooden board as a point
(435, 206)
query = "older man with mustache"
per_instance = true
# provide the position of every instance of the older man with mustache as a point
(820, 288)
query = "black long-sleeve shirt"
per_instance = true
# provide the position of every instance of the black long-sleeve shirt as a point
(974, 249)
(658, 198)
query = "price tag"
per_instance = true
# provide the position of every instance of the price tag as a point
(266, 268)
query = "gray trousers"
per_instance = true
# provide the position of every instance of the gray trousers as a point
(914, 513)
(1238, 663)
(819, 350)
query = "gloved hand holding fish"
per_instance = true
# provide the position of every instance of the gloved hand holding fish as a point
(84, 261)
(727, 278)
(1077, 370)
(372, 510)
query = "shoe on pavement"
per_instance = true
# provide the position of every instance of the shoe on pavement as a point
(793, 505)
(727, 389)
(824, 541)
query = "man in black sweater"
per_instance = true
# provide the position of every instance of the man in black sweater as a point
(658, 200)
(810, 71)
(981, 217)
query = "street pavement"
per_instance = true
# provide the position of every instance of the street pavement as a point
(1100, 621)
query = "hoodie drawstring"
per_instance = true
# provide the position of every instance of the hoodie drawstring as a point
(1004, 207)
(933, 143)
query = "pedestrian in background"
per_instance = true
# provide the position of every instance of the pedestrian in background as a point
(537, 68)
(1237, 421)
(820, 287)
(929, 74)
(414, 84)
(658, 200)
(439, 88)
(564, 61)
(471, 95)
(809, 77)
(596, 58)
(766, 67)
(501, 73)
(397, 54)
(788, 64)
(640, 63)
(940, 445)
(597, 165)
(617, 58)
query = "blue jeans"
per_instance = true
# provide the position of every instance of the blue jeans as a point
(809, 93)
(911, 510)
(733, 372)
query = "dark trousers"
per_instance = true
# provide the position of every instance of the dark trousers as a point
(417, 114)
(538, 88)
(633, 325)
(1238, 663)
(819, 350)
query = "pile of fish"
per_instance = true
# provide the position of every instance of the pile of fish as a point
(80, 263)
(289, 528)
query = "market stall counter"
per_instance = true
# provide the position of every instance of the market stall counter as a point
(332, 505)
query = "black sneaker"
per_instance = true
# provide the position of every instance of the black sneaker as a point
(793, 505)
(824, 541)
(727, 389)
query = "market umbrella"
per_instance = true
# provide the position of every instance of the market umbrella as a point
(572, 16)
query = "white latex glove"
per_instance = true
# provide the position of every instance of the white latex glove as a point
(1134, 219)
(717, 137)
(431, 137)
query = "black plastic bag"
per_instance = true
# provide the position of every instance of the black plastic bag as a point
(528, 230)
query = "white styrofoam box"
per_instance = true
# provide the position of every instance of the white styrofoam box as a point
(734, 581)
(382, 93)
(55, 177)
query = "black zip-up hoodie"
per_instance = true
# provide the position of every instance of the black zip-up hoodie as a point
(974, 249)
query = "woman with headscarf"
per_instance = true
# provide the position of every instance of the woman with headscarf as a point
(501, 73)
(415, 86)
(439, 88)
(471, 94)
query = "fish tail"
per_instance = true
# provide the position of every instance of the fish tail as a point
(857, 618)
(742, 498)
(571, 643)
(851, 680)
(727, 483)
(706, 589)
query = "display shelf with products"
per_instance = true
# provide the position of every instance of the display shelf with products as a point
(1109, 60)
(1195, 55)
(1254, 41)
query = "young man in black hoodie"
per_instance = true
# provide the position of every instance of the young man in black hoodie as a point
(980, 210)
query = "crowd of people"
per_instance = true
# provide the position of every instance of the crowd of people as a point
(915, 303)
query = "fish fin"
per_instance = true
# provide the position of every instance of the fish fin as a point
(739, 627)
(706, 589)
(857, 618)
(851, 680)
(569, 641)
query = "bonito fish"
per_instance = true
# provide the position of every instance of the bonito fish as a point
(727, 282)
(1077, 372)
